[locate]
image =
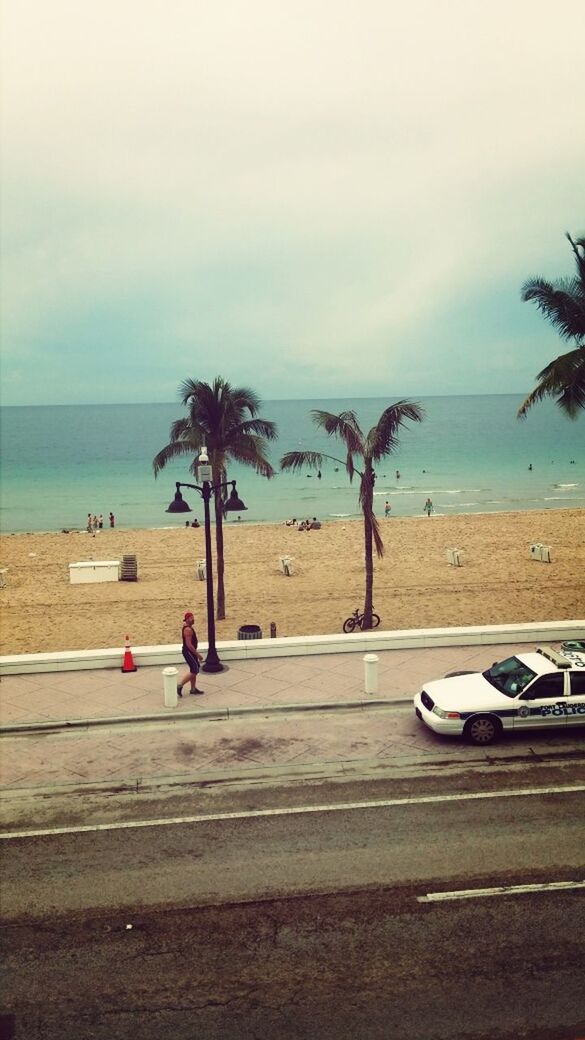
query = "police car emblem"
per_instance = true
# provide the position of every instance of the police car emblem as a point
(523, 711)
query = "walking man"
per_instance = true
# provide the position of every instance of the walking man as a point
(191, 655)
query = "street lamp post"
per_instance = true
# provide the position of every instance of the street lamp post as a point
(234, 504)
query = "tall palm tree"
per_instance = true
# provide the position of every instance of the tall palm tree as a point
(382, 440)
(224, 419)
(563, 304)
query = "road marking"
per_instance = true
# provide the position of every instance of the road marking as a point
(500, 890)
(250, 814)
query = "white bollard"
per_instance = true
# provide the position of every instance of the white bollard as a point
(371, 673)
(170, 684)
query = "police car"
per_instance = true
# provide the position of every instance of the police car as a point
(529, 691)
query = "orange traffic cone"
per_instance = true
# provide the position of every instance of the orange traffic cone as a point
(128, 663)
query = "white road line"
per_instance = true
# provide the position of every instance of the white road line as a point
(250, 814)
(500, 890)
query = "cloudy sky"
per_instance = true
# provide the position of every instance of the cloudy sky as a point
(316, 198)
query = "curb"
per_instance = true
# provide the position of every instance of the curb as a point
(207, 714)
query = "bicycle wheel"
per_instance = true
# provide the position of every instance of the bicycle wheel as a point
(349, 625)
(375, 620)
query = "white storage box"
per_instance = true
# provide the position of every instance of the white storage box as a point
(94, 570)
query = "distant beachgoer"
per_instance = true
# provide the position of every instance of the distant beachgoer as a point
(291, 523)
(89, 524)
(112, 520)
(315, 524)
(397, 474)
(319, 475)
(530, 466)
(191, 655)
(101, 522)
(428, 507)
(387, 508)
(194, 523)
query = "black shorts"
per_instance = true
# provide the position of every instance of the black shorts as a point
(192, 661)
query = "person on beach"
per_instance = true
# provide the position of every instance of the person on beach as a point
(428, 507)
(387, 508)
(101, 522)
(112, 520)
(89, 524)
(194, 523)
(191, 655)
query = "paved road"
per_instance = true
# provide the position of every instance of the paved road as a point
(200, 859)
(372, 965)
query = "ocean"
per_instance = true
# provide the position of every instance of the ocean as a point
(470, 455)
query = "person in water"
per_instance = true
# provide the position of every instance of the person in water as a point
(428, 507)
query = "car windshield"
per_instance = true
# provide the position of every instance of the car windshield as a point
(510, 676)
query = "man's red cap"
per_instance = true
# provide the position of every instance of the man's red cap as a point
(188, 615)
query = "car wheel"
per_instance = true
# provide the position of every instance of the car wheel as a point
(483, 729)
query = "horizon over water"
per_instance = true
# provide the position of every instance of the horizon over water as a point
(470, 455)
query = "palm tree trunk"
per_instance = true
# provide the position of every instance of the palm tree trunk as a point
(220, 598)
(367, 505)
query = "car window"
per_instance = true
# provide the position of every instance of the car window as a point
(547, 686)
(509, 676)
(578, 684)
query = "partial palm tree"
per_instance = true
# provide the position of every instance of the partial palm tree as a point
(370, 448)
(225, 419)
(563, 305)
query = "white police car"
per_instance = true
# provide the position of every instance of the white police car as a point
(529, 691)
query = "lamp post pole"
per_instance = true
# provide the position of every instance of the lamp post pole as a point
(212, 662)
(206, 490)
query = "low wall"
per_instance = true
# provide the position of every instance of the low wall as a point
(300, 646)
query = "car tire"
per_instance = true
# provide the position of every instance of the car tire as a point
(482, 730)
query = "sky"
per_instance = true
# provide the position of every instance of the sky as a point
(317, 198)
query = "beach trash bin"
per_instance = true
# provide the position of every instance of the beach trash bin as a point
(249, 632)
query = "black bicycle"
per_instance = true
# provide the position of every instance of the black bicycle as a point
(357, 621)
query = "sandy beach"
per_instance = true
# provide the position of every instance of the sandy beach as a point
(414, 586)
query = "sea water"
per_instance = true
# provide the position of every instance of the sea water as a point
(469, 455)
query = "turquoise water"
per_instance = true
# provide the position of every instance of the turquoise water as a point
(470, 455)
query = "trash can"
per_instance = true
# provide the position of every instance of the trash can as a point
(249, 632)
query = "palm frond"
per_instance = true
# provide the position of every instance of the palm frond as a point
(171, 451)
(564, 380)
(248, 450)
(296, 460)
(345, 426)
(562, 303)
(382, 439)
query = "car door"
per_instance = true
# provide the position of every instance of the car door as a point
(576, 698)
(543, 703)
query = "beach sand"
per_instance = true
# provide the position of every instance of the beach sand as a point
(414, 586)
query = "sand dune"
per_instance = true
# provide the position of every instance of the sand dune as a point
(414, 586)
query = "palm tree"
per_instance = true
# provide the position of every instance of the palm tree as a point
(224, 419)
(563, 304)
(382, 440)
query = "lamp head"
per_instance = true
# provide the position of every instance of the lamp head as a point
(234, 504)
(178, 505)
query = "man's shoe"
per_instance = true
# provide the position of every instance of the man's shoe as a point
(195, 693)
(179, 691)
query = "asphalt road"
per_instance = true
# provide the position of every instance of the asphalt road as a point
(299, 916)
(376, 965)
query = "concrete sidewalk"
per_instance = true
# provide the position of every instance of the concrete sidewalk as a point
(265, 714)
(262, 685)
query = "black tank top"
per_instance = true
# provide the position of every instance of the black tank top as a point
(192, 630)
